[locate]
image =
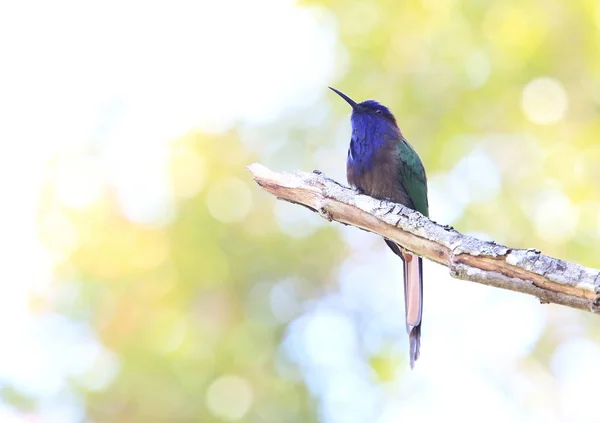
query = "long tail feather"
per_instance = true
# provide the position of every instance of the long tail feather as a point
(413, 300)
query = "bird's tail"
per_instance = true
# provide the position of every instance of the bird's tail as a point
(413, 301)
(413, 298)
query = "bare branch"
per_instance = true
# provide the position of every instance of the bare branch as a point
(528, 271)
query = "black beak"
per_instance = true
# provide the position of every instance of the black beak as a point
(345, 97)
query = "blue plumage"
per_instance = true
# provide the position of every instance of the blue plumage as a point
(369, 133)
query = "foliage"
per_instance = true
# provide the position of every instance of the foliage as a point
(500, 100)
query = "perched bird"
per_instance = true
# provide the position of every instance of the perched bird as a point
(383, 165)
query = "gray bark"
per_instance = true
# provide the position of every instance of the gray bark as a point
(528, 271)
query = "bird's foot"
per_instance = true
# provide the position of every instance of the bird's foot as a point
(595, 305)
(325, 214)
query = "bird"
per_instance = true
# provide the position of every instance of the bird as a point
(382, 164)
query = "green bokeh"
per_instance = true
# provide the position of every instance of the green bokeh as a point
(185, 303)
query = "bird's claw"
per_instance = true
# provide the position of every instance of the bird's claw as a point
(595, 305)
(325, 214)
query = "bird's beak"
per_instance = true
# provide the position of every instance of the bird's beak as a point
(345, 97)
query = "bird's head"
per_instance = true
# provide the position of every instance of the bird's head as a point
(369, 109)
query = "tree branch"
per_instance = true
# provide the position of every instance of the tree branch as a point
(528, 271)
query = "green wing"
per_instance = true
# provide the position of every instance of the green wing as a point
(412, 175)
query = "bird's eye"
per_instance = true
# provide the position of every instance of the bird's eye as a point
(378, 111)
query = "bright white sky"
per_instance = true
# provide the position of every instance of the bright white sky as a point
(133, 75)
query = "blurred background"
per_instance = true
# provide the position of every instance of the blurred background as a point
(146, 278)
